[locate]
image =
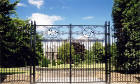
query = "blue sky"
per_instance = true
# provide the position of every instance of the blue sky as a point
(66, 11)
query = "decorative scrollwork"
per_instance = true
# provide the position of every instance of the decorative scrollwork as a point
(88, 31)
(53, 32)
(91, 31)
(78, 31)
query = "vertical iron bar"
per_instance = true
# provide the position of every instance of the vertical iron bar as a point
(102, 70)
(51, 59)
(70, 33)
(90, 75)
(112, 54)
(82, 63)
(88, 60)
(59, 56)
(106, 61)
(31, 49)
(57, 59)
(75, 69)
(34, 46)
(64, 58)
(47, 58)
(0, 64)
(109, 53)
(96, 60)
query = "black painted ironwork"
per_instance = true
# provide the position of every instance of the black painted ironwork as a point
(85, 70)
(34, 51)
(106, 57)
(71, 54)
(70, 33)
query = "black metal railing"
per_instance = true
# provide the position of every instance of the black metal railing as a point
(67, 54)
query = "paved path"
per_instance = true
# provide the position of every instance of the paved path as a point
(77, 79)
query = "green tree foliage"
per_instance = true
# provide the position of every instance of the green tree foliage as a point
(113, 53)
(39, 49)
(97, 52)
(15, 48)
(7, 40)
(45, 62)
(64, 52)
(126, 18)
(19, 51)
(77, 51)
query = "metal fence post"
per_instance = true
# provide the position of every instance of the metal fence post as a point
(34, 51)
(0, 64)
(31, 49)
(106, 56)
(109, 54)
(70, 33)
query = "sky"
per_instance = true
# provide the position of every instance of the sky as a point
(49, 12)
(65, 12)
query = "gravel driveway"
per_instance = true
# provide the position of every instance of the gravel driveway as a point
(66, 79)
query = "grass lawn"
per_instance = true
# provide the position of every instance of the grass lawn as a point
(12, 71)
(97, 65)
(16, 75)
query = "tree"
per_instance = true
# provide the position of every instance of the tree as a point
(98, 52)
(77, 52)
(24, 44)
(126, 18)
(113, 53)
(20, 42)
(7, 40)
(15, 49)
(64, 52)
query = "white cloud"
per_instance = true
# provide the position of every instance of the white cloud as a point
(37, 3)
(44, 19)
(83, 37)
(85, 41)
(88, 17)
(21, 4)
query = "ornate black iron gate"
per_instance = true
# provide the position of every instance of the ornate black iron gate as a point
(73, 54)
(69, 54)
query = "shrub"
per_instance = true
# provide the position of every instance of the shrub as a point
(130, 63)
(96, 54)
(76, 63)
(45, 62)
(53, 63)
(77, 58)
(77, 52)
(59, 62)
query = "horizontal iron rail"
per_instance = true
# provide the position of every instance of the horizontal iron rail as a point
(71, 25)
(72, 82)
(73, 69)
(57, 40)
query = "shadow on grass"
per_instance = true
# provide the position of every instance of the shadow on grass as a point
(138, 78)
(126, 71)
(3, 75)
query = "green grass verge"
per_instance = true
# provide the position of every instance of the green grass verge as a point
(96, 65)
(12, 71)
